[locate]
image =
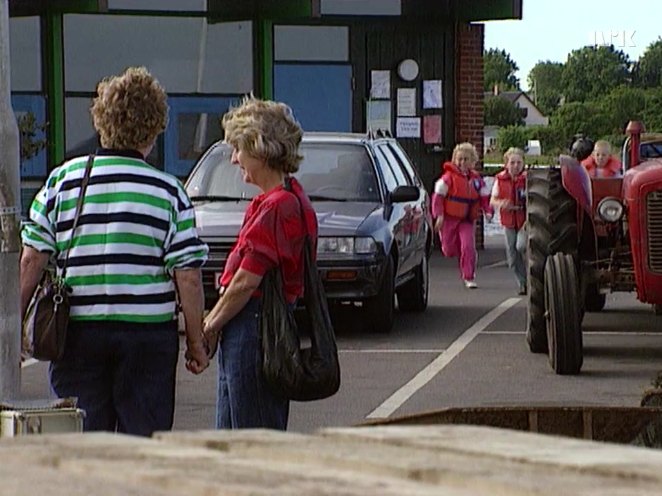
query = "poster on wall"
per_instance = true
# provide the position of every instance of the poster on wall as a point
(432, 94)
(432, 129)
(408, 127)
(406, 102)
(378, 115)
(380, 86)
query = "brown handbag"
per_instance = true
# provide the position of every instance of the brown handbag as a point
(46, 321)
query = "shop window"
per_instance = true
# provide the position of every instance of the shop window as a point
(186, 54)
(25, 54)
(317, 43)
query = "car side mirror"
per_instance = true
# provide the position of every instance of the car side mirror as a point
(403, 194)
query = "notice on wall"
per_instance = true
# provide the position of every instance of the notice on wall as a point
(380, 86)
(408, 127)
(432, 129)
(432, 94)
(378, 115)
(406, 102)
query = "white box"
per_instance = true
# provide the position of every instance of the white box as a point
(40, 421)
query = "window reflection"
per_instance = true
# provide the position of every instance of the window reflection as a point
(196, 133)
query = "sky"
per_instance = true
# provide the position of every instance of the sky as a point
(551, 29)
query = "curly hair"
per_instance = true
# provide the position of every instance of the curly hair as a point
(265, 130)
(467, 148)
(130, 110)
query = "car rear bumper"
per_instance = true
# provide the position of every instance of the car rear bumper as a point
(346, 280)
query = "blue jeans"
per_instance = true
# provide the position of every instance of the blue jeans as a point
(244, 399)
(123, 375)
(516, 253)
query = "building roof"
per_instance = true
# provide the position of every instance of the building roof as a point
(466, 10)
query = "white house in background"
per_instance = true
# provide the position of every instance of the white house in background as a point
(531, 114)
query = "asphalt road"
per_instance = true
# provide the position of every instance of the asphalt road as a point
(467, 349)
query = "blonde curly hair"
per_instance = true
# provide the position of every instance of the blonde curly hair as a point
(265, 130)
(130, 110)
(467, 148)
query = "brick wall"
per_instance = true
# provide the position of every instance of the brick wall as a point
(469, 93)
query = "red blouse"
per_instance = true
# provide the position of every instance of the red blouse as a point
(273, 234)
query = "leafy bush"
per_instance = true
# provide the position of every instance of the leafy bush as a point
(516, 136)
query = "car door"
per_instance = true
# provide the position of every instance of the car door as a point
(400, 214)
(421, 208)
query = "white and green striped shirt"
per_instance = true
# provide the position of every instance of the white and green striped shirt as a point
(137, 225)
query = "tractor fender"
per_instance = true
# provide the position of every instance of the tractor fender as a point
(577, 183)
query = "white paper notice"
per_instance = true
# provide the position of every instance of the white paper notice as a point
(380, 84)
(408, 127)
(407, 101)
(378, 115)
(432, 98)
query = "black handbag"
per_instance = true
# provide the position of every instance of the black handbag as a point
(47, 318)
(292, 372)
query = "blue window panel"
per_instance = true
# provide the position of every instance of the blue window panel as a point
(36, 166)
(320, 95)
(193, 125)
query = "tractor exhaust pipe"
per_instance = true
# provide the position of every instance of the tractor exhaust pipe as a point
(634, 130)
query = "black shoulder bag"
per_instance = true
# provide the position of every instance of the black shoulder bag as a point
(292, 372)
(46, 321)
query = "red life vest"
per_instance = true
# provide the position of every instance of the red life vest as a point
(463, 198)
(611, 168)
(515, 191)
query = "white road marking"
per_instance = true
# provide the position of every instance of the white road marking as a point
(28, 362)
(397, 399)
(389, 351)
(500, 263)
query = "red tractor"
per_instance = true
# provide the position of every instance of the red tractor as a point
(588, 237)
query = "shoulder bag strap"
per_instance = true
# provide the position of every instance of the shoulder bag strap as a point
(79, 207)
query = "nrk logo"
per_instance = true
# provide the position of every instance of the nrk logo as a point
(623, 38)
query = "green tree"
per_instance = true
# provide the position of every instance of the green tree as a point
(621, 105)
(579, 117)
(652, 117)
(499, 69)
(545, 85)
(551, 139)
(647, 72)
(502, 112)
(511, 136)
(591, 72)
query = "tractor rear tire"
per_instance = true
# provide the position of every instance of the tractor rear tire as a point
(564, 328)
(552, 228)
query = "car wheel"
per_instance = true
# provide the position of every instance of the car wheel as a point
(413, 295)
(378, 310)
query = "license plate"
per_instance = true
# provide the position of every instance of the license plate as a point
(217, 279)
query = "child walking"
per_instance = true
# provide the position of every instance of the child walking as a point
(459, 196)
(509, 196)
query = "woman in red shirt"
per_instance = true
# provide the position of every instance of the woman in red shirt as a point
(265, 137)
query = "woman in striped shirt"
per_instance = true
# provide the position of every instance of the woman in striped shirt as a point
(134, 250)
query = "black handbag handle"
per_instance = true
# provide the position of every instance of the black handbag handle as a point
(79, 207)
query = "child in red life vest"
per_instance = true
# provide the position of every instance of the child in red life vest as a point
(459, 197)
(601, 163)
(509, 196)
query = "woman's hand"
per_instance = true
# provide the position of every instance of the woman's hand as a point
(197, 359)
(439, 221)
(211, 338)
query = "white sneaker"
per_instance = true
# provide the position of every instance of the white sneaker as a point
(470, 284)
